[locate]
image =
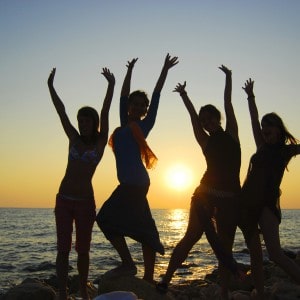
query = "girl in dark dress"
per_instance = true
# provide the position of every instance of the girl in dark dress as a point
(214, 200)
(261, 190)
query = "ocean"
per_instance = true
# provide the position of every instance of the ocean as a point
(28, 246)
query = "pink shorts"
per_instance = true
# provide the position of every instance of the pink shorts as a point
(83, 213)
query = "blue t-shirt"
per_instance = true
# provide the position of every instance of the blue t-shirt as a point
(130, 167)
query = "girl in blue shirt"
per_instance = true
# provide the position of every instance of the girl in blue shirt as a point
(127, 212)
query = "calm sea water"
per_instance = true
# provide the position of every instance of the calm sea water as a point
(28, 246)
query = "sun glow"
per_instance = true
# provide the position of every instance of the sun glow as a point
(178, 177)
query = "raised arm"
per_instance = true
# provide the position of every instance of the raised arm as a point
(107, 102)
(70, 131)
(125, 91)
(168, 64)
(231, 123)
(200, 135)
(256, 128)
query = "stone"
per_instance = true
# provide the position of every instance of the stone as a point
(141, 288)
(284, 290)
(117, 295)
(30, 289)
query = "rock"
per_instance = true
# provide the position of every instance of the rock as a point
(278, 285)
(240, 295)
(284, 290)
(117, 295)
(234, 283)
(141, 288)
(30, 289)
(195, 290)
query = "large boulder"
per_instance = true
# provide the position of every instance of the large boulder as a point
(30, 289)
(141, 288)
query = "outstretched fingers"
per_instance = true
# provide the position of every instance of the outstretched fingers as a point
(171, 61)
(180, 88)
(248, 87)
(108, 75)
(131, 63)
(225, 70)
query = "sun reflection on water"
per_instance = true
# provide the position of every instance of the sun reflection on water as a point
(178, 220)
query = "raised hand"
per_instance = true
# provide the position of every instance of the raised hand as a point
(170, 61)
(180, 88)
(51, 77)
(127, 80)
(108, 75)
(130, 64)
(248, 87)
(225, 70)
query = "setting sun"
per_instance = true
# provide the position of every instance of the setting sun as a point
(178, 177)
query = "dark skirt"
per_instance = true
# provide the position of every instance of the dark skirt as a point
(127, 213)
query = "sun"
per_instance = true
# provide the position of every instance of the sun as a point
(179, 177)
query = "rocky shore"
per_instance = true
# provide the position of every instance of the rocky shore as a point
(278, 286)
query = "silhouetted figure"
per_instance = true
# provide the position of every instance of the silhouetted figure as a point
(127, 212)
(261, 190)
(214, 200)
(75, 199)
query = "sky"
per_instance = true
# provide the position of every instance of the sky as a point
(257, 39)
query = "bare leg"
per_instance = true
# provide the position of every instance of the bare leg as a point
(83, 262)
(257, 273)
(120, 245)
(127, 268)
(226, 219)
(62, 265)
(270, 229)
(193, 234)
(149, 261)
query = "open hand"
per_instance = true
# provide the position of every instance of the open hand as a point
(225, 70)
(108, 75)
(130, 64)
(248, 87)
(180, 88)
(170, 61)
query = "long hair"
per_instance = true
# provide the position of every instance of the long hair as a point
(272, 119)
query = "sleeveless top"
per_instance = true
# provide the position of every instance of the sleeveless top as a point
(262, 185)
(89, 156)
(223, 159)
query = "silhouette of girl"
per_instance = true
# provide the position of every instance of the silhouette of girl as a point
(261, 190)
(127, 212)
(75, 199)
